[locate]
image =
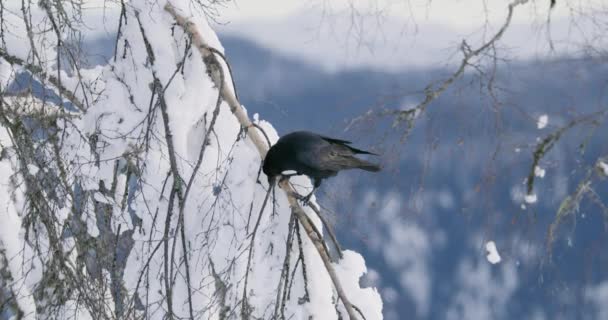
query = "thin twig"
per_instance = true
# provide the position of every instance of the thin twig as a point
(327, 227)
(432, 92)
(245, 308)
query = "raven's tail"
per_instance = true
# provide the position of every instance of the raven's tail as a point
(370, 167)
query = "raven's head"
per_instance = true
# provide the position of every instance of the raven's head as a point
(270, 167)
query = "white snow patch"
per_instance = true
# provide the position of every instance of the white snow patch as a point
(32, 169)
(531, 198)
(101, 198)
(542, 121)
(539, 172)
(604, 167)
(493, 257)
(350, 269)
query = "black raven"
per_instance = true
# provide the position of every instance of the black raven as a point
(313, 155)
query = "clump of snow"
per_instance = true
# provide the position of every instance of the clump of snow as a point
(493, 257)
(350, 269)
(542, 121)
(604, 167)
(32, 169)
(530, 198)
(99, 197)
(539, 172)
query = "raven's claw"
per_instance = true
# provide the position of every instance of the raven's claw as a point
(305, 199)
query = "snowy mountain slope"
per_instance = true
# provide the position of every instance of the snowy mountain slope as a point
(107, 212)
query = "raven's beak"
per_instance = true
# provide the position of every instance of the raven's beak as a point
(272, 180)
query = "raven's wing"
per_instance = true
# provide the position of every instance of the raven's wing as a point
(333, 140)
(320, 158)
(345, 144)
(336, 157)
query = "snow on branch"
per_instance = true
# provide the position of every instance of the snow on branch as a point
(39, 72)
(262, 147)
(139, 197)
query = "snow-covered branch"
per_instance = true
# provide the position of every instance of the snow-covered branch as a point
(262, 147)
(130, 190)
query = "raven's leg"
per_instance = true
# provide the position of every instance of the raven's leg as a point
(316, 184)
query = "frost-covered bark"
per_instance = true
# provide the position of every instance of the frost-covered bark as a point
(132, 191)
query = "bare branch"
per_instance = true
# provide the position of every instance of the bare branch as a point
(432, 92)
(550, 140)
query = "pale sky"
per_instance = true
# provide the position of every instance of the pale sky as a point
(407, 32)
(450, 12)
(389, 34)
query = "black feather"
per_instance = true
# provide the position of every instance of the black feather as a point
(346, 144)
(334, 140)
(314, 155)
